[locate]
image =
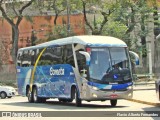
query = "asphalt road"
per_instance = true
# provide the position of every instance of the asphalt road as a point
(99, 110)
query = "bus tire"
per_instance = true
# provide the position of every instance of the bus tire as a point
(113, 103)
(29, 95)
(43, 100)
(36, 99)
(69, 100)
(159, 92)
(62, 100)
(3, 95)
(72, 94)
(77, 99)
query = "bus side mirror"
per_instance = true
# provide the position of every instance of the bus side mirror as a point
(136, 57)
(87, 56)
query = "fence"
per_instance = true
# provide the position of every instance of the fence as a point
(8, 75)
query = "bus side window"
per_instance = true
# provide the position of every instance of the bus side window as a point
(26, 61)
(69, 55)
(41, 60)
(51, 56)
(57, 55)
(81, 61)
(33, 55)
(19, 59)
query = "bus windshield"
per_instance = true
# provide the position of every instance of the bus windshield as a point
(109, 65)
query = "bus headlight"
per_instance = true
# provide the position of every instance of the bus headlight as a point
(94, 95)
(94, 88)
(130, 87)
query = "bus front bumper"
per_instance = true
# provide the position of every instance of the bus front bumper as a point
(109, 95)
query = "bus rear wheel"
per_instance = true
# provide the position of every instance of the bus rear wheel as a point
(113, 102)
(37, 99)
(77, 99)
(62, 100)
(29, 96)
(3, 95)
(159, 92)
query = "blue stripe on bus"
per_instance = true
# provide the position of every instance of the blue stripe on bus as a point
(110, 86)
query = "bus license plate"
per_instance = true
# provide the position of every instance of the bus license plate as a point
(114, 96)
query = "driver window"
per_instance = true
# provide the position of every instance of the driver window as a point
(81, 61)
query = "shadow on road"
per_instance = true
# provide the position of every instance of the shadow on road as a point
(56, 105)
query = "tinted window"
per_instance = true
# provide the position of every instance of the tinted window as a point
(33, 57)
(19, 58)
(52, 55)
(68, 55)
(26, 58)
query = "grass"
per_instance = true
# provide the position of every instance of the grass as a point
(8, 83)
(8, 79)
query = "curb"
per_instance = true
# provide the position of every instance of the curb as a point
(143, 89)
(144, 102)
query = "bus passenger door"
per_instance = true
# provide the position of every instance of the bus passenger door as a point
(83, 72)
(84, 80)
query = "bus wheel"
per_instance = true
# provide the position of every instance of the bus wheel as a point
(30, 96)
(62, 100)
(159, 92)
(77, 99)
(69, 100)
(3, 95)
(36, 99)
(72, 95)
(42, 100)
(113, 102)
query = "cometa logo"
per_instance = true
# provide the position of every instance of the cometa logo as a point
(56, 71)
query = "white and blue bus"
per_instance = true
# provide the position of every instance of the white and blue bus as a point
(76, 68)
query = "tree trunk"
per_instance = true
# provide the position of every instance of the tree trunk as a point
(55, 19)
(144, 50)
(15, 31)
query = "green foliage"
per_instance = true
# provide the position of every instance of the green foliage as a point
(29, 18)
(115, 29)
(9, 83)
(75, 5)
(60, 31)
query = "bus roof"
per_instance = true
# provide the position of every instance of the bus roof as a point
(87, 40)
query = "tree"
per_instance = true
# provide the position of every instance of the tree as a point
(14, 15)
(60, 7)
(136, 15)
(103, 7)
(115, 29)
(155, 4)
(126, 14)
(59, 31)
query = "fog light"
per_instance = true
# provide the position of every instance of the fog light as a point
(94, 95)
(130, 88)
(94, 88)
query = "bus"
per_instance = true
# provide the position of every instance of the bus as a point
(157, 65)
(77, 68)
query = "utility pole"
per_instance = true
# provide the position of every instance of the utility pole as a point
(68, 17)
(150, 59)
